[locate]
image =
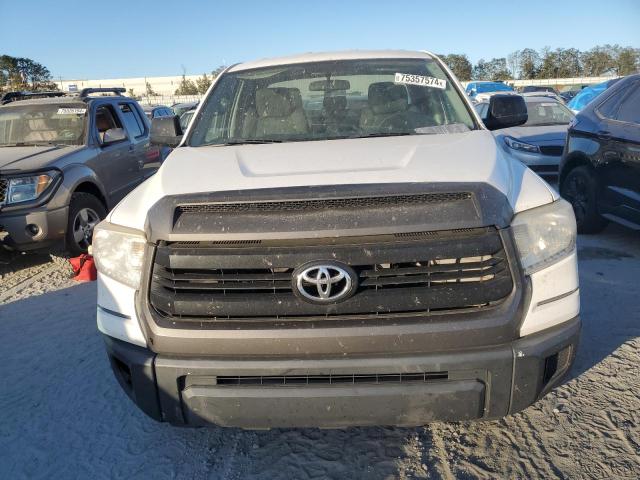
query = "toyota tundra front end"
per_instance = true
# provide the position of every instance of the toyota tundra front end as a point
(338, 241)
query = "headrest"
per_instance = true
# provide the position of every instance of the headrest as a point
(38, 124)
(387, 97)
(277, 102)
(102, 122)
(336, 103)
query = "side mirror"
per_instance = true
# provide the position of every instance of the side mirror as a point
(505, 111)
(114, 135)
(166, 131)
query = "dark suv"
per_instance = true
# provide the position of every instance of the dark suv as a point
(65, 160)
(600, 169)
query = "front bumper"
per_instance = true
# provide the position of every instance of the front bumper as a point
(467, 384)
(51, 226)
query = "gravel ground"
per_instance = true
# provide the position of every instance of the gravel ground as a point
(64, 416)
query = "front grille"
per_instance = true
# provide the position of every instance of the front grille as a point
(426, 273)
(3, 190)
(552, 150)
(323, 204)
(336, 379)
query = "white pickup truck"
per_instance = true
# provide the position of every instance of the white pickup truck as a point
(337, 240)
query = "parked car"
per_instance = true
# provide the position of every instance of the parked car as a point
(551, 95)
(474, 88)
(538, 89)
(185, 119)
(485, 97)
(8, 97)
(539, 142)
(65, 160)
(587, 94)
(156, 111)
(180, 108)
(600, 169)
(389, 266)
(567, 95)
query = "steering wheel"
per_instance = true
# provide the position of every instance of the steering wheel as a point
(392, 122)
(67, 134)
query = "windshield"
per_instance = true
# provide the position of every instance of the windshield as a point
(42, 124)
(547, 113)
(331, 100)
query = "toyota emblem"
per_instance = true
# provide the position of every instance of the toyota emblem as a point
(321, 282)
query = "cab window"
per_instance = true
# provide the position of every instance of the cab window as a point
(131, 119)
(106, 119)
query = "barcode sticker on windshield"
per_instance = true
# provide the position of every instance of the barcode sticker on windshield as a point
(72, 111)
(408, 79)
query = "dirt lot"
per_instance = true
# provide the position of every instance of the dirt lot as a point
(64, 416)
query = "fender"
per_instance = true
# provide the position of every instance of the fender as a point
(75, 175)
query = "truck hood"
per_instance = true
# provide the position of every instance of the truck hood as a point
(462, 157)
(19, 159)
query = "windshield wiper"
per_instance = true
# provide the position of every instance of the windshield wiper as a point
(383, 134)
(249, 142)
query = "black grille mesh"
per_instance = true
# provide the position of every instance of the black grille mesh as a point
(322, 204)
(553, 150)
(3, 189)
(335, 379)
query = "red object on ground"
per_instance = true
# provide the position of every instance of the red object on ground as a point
(84, 268)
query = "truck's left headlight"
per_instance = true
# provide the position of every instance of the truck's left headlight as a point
(28, 188)
(544, 235)
(119, 253)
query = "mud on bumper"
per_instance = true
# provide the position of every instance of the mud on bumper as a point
(403, 391)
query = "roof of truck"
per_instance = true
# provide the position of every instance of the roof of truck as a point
(329, 56)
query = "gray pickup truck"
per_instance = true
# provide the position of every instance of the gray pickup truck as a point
(65, 161)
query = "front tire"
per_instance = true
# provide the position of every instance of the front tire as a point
(85, 212)
(580, 188)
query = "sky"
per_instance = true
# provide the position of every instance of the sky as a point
(136, 38)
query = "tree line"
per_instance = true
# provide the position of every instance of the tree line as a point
(18, 73)
(529, 64)
(199, 86)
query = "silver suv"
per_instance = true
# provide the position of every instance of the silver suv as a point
(65, 160)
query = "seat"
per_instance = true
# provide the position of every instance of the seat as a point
(337, 118)
(103, 123)
(40, 131)
(279, 112)
(389, 111)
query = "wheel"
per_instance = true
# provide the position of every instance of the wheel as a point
(85, 212)
(580, 188)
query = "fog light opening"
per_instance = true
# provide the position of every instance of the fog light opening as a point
(33, 229)
(550, 368)
(556, 364)
(123, 371)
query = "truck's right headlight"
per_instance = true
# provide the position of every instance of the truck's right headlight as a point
(119, 253)
(544, 235)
